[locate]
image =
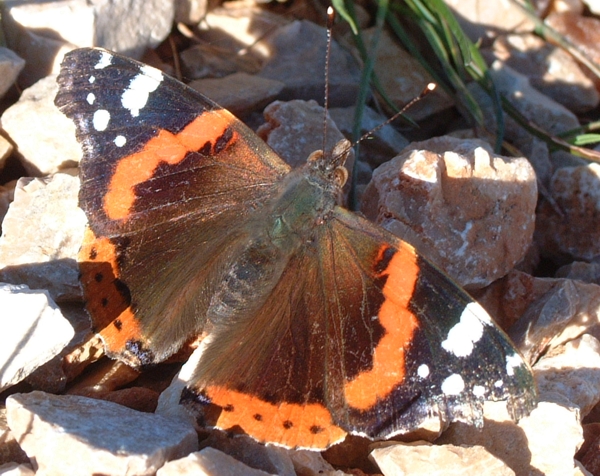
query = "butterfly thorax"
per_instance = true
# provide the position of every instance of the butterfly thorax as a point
(290, 220)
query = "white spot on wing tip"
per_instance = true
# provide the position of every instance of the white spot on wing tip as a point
(104, 61)
(423, 371)
(467, 332)
(512, 362)
(135, 97)
(92, 79)
(453, 385)
(100, 120)
(479, 391)
(120, 141)
(91, 97)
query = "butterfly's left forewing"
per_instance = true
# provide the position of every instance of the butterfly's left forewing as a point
(167, 179)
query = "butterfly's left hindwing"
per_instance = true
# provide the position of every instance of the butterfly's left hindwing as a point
(372, 341)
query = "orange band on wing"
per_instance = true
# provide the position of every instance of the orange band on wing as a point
(165, 147)
(399, 323)
(287, 424)
(111, 313)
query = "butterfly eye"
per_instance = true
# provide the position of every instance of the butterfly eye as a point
(340, 175)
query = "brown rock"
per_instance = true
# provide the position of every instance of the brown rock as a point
(191, 11)
(549, 69)
(240, 93)
(543, 313)
(141, 399)
(104, 377)
(481, 19)
(294, 130)
(446, 460)
(535, 106)
(311, 463)
(421, 195)
(42, 55)
(403, 78)
(580, 270)
(583, 32)
(240, 28)
(593, 5)
(562, 6)
(206, 61)
(77, 435)
(589, 453)
(89, 351)
(299, 63)
(575, 234)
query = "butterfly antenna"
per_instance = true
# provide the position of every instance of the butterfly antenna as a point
(330, 20)
(428, 89)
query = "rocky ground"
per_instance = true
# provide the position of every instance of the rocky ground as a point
(519, 231)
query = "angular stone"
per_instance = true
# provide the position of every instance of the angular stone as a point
(294, 130)
(573, 375)
(543, 313)
(15, 469)
(445, 460)
(421, 194)
(403, 78)
(142, 24)
(239, 93)
(545, 442)
(10, 67)
(191, 11)
(576, 192)
(209, 61)
(209, 461)
(549, 69)
(593, 5)
(7, 195)
(311, 463)
(10, 451)
(299, 64)
(535, 106)
(45, 138)
(482, 19)
(43, 55)
(106, 438)
(582, 31)
(241, 24)
(42, 233)
(33, 332)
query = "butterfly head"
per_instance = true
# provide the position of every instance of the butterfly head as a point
(330, 167)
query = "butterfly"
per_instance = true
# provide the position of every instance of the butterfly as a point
(318, 323)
